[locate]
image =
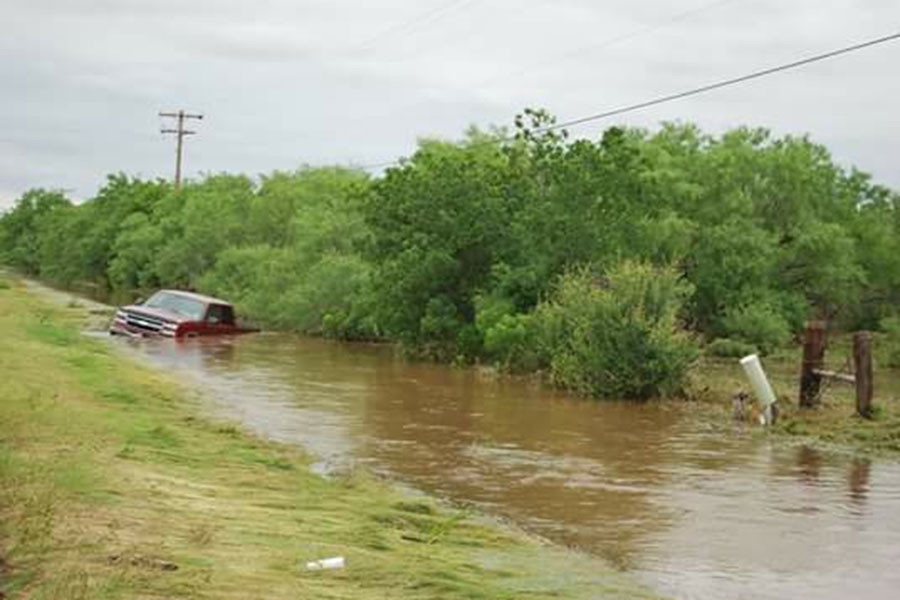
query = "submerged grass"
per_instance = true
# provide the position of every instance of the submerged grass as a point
(833, 424)
(113, 486)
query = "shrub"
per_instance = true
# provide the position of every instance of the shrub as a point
(728, 348)
(510, 343)
(270, 286)
(507, 337)
(326, 298)
(758, 323)
(469, 343)
(891, 328)
(617, 337)
(439, 329)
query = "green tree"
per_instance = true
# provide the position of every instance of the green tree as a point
(213, 216)
(439, 223)
(19, 228)
(303, 268)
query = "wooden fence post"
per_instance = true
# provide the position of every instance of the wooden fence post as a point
(862, 359)
(813, 361)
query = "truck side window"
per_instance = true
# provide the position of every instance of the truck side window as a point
(219, 313)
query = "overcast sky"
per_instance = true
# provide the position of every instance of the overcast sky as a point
(284, 83)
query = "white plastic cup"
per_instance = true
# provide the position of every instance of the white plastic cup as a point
(758, 380)
(326, 563)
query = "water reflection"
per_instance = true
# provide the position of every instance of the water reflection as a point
(858, 482)
(697, 513)
(809, 464)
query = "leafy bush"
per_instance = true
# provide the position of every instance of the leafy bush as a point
(439, 330)
(617, 337)
(511, 343)
(20, 228)
(728, 348)
(271, 288)
(328, 297)
(758, 323)
(507, 337)
(891, 328)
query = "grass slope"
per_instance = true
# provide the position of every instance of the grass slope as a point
(113, 486)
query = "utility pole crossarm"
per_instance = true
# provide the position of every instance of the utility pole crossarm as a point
(179, 132)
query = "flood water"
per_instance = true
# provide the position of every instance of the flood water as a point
(693, 512)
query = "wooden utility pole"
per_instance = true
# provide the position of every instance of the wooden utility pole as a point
(862, 359)
(813, 360)
(180, 132)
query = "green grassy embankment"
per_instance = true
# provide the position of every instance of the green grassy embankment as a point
(113, 485)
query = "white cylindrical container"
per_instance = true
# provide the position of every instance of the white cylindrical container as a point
(758, 380)
(326, 563)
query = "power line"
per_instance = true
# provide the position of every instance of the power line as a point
(687, 93)
(674, 18)
(728, 82)
(423, 19)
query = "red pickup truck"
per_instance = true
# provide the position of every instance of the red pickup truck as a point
(176, 314)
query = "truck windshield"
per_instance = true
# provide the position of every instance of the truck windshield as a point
(187, 307)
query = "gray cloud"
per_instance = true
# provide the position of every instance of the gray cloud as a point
(284, 83)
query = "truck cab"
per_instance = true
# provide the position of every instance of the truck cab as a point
(176, 314)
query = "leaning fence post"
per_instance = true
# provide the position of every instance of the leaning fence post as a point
(862, 359)
(813, 361)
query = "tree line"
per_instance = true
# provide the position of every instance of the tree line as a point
(606, 263)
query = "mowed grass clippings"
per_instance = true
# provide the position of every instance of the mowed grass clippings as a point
(113, 486)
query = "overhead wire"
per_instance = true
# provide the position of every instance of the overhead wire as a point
(684, 94)
(609, 42)
(640, 32)
(727, 82)
(425, 18)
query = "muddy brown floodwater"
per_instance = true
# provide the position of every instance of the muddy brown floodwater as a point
(695, 513)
